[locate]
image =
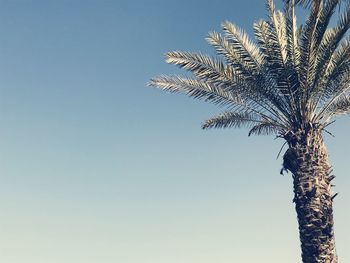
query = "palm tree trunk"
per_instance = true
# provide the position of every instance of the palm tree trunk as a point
(307, 159)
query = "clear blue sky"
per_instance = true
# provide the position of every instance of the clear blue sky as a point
(97, 167)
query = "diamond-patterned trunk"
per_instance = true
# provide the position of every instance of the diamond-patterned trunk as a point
(307, 159)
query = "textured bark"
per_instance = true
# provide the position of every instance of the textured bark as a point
(307, 159)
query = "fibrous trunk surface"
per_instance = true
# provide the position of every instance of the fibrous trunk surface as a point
(307, 159)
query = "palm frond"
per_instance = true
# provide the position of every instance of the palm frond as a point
(242, 45)
(197, 89)
(306, 3)
(265, 128)
(278, 33)
(202, 66)
(334, 72)
(293, 51)
(268, 35)
(232, 56)
(338, 107)
(326, 12)
(269, 47)
(341, 88)
(277, 49)
(333, 38)
(274, 92)
(308, 48)
(232, 119)
(328, 60)
(292, 71)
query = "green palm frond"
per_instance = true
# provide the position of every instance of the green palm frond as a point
(202, 66)
(267, 39)
(292, 36)
(340, 60)
(341, 88)
(337, 68)
(209, 92)
(273, 50)
(242, 45)
(337, 86)
(338, 107)
(326, 12)
(308, 48)
(277, 30)
(236, 60)
(273, 60)
(232, 119)
(293, 60)
(332, 39)
(210, 70)
(273, 92)
(265, 128)
(278, 48)
(306, 3)
(331, 58)
(197, 89)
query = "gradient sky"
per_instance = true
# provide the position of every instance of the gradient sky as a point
(97, 167)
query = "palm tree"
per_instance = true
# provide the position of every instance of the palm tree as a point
(291, 82)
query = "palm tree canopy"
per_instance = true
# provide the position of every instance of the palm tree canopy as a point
(288, 77)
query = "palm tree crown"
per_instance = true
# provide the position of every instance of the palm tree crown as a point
(291, 76)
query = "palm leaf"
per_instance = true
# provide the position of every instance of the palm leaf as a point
(338, 107)
(341, 88)
(197, 89)
(308, 48)
(265, 128)
(202, 66)
(232, 119)
(242, 45)
(293, 52)
(232, 56)
(306, 3)
(271, 37)
(269, 47)
(337, 68)
(331, 52)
